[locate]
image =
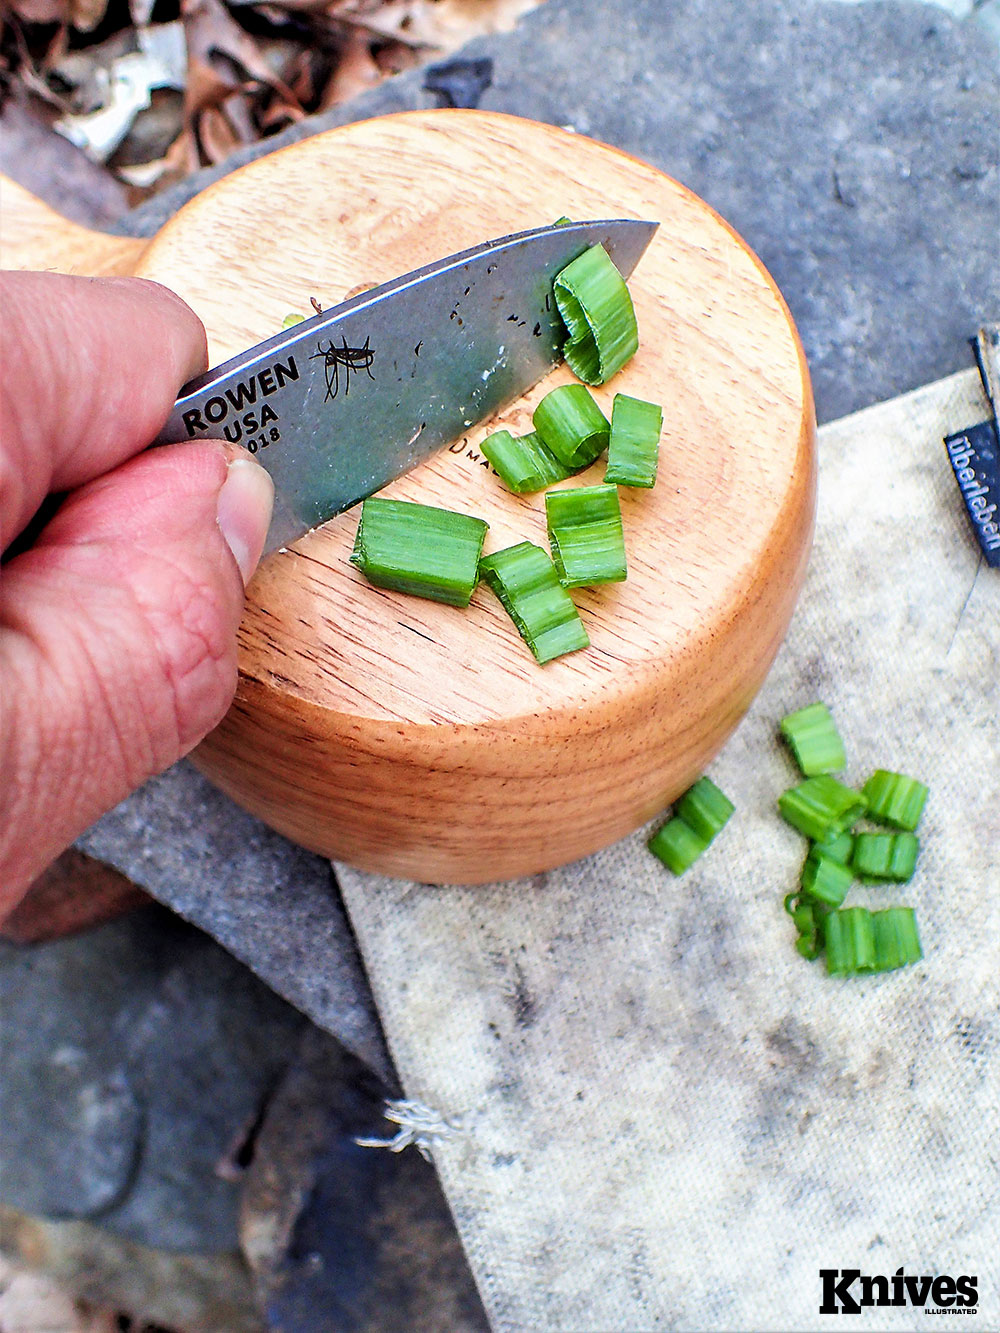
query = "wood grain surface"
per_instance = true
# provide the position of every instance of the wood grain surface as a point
(34, 236)
(424, 741)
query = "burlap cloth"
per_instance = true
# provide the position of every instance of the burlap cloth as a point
(669, 1119)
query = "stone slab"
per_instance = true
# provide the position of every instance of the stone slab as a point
(343, 1236)
(135, 1060)
(272, 904)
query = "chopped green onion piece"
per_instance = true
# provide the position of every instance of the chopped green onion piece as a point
(791, 902)
(896, 940)
(803, 916)
(571, 425)
(825, 878)
(586, 536)
(808, 918)
(523, 462)
(705, 808)
(850, 942)
(564, 221)
(821, 807)
(808, 944)
(524, 579)
(420, 550)
(596, 308)
(886, 855)
(677, 845)
(895, 799)
(291, 320)
(634, 445)
(814, 740)
(838, 848)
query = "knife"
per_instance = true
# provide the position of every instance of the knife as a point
(340, 404)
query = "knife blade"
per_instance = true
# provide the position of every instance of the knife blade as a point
(340, 404)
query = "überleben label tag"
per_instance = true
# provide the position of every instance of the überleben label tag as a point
(975, 460)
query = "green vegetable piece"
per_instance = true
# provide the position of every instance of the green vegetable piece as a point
(420, 550)
(897, 943)
(826, 879)
(705, 808)
(291, 320)
(634, 445)
(838, 848)
(677, 845)
(814, 740)
(804, 916)
(895, 799)
(821, 807)
(890, 856)
(523, 462)
(850, 942)
(571, 425)
(525, 581)
(809, 944)
(586, 536)
(597, 310)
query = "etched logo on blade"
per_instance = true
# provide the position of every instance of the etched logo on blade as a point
(237, 409)
(346, 359)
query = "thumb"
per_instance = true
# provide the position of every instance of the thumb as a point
(118, 640)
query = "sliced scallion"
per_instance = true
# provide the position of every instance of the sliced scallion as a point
(292, 319)
(699, 815)
(634, 444)
(814, 740)
(886, 855)
(418, 549)
(826, 879)
(597, 310)
(838, 848)
(808, 916)
(895, 799)
(523, 462)
(849, 936)
(525, 581)
(821, 807)
(705, 808)
(586, 536)
(677, 845)
(897, 942)
(571, 425)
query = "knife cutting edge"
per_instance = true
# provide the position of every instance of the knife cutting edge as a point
(340, 404)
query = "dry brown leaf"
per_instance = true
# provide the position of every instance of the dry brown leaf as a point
(85, 15)
(355, 71)
(237, 108)
(277, 114)
(41, 11)
(216, 39)
(442, 24)
(205, 87)
(216, 135)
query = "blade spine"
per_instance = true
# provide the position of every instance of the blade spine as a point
(288, 339)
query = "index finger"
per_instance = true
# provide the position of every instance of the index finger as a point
(89, 372)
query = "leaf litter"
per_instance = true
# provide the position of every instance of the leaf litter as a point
(151, 90)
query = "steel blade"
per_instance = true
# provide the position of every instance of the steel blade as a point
(337, 406)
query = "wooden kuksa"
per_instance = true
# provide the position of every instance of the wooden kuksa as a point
(420, 740)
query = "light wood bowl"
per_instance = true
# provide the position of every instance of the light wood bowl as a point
(423, 741)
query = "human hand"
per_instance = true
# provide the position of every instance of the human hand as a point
(118, 624)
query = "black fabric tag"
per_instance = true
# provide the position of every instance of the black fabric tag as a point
(975, 460)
